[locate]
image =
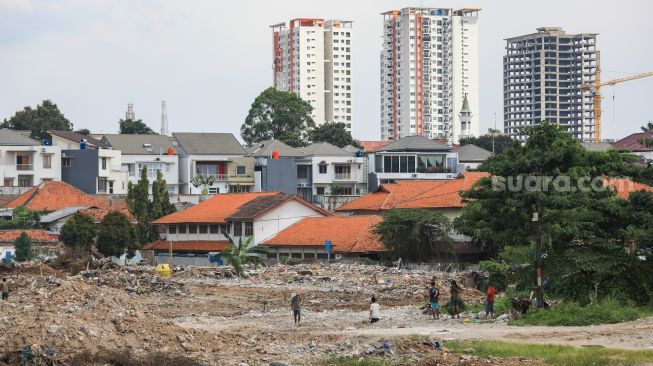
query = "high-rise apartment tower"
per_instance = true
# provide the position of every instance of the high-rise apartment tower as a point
(429, 65)
(542, 77)
(312, 59)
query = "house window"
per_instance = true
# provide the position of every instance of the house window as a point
(192, 229)
(104, 163)
(9, 182)
(343, 171)
(24, 182)
(240, 170)
(214, 229)
(302, 171)
(238, 189)
(23, 162)
(204, 229)
(323, 168)
(101, 185)
(47, 161)
(182, 229)
(66, 162)
(214, 190)
(238, 229)
(320, 191)
(225, 229)
(249, 228)
(172, 229)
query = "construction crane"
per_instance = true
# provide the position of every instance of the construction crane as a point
(595, 89)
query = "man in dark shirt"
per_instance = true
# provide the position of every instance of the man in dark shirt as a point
(296, 306)
(434, 294)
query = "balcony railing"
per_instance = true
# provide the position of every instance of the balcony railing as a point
(342, 176)
(24, 167)
(218, 177)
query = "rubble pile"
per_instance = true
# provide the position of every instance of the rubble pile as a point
(135, 280)
(58, 318)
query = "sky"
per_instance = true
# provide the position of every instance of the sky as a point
(210, 59)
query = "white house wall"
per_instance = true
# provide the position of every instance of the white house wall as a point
(279, 218)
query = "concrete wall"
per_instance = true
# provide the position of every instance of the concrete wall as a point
(83, 170)
(281, 176)
(281, 217)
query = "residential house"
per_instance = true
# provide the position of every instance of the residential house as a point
(335, 173)
(439, 195)
(412, 157)
(635, 144)
(53, 196)
(94, 171)
(218, 155)
(42, 242)
(472, 156)
(25, 162)
(373, 145)
(54, 221)
(197, 234)
(154, 152)
(69, 140)
(350, 237)
(277, 168)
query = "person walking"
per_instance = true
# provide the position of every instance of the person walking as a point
(455, 299)
(296, 306)
(489, 307)
(434, 295)
(5, 289)
(375, 311)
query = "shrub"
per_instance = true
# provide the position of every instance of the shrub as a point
(23, 246)
(572, 314)
(497, 273)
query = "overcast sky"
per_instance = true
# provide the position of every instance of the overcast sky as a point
(209, 59)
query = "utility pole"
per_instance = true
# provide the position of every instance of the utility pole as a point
(538, 252)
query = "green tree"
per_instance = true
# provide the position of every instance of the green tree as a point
(78, 232)
(23, 246)
(131, 127)
(161, 205)
(501, 141)
(138, 201)
(116, 235)
(241, 253)
(84, 131)
(648, 128)
(414, 234)
(579, 230)
(334, 133)
(278, 115)
(46, 116)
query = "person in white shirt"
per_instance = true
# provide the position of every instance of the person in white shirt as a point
(375, 314)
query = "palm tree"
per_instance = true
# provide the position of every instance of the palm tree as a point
(203, 181)
(240, 254)
(648, 127)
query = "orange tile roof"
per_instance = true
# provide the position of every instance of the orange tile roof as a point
(416, 194)
(624, 187)
(352, 234)
(213, 210)
(52, 196)
(37, 235)
(188, 246)
(371, 146)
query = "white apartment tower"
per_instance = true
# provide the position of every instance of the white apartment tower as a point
(312, 59)
(429, 65)
(543, 74)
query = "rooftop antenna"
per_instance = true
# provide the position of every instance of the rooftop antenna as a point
(130, 112)
(164, 119)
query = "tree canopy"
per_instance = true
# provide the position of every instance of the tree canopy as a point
(585, 227)
(334, 133)
(134, 127)
(144, 209)
(116, 235)
(414, 234)
(501, 141)
(278, 115)
(46, 116)
(78, 232)
(23, 246)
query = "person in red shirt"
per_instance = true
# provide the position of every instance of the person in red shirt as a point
(489, 308)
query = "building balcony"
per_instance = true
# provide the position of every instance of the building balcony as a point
(24, 167)
(217, 177)
(343, 176)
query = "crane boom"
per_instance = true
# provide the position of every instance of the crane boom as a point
(595, 89)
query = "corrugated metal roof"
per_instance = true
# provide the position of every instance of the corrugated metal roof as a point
(471, 152)
(64, 212)
(198, 143)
